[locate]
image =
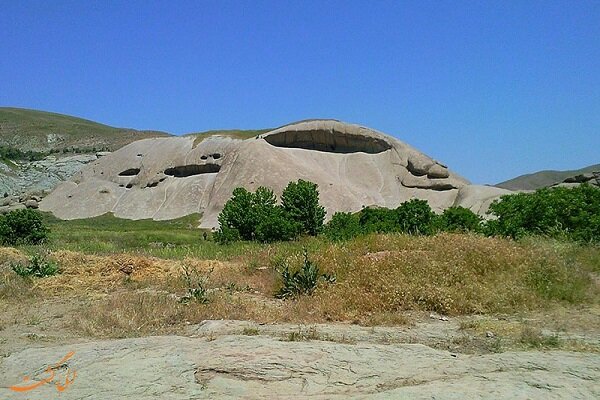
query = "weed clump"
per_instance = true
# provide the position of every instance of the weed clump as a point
(38, 266)
(302, 281)
(196, 285)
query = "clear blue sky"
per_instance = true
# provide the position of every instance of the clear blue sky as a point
(494, 89)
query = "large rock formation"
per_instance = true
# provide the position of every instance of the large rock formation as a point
(354, 166)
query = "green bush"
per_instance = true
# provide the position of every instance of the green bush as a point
(572, 213)
(276, 225)
(22, 227)
(415, 217)
(227, 235)
(300, 200)
(256, 216)
(196, 285)
(412, 217)
(378, 220)
(38, 267)
(458, 219)
(342, 226)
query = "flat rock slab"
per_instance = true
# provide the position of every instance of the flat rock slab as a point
(257, 367)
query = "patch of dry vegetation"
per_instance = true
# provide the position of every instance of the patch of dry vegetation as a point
(378, 279)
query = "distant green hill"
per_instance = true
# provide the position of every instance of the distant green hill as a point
(542, 179)
(40, 131)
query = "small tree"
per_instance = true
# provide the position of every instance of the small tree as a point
(262, 204)
(572, 213)
(236, 217)
(300, 200)
(275, 225)
(255, 216)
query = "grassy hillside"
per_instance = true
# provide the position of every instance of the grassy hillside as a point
(31, 130)
(542, 179)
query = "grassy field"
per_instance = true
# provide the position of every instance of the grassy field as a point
(127, 278)
(106, 234)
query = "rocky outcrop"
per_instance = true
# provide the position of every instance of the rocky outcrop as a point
(478, 198)
(590, 178)
(167, 178)
(21, 177)
(258, 367)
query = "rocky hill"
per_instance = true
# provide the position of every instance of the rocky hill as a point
(40, 149)
(538, 180)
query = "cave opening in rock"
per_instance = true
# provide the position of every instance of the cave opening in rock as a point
(183, 171)
(328, 141)
(130, 172)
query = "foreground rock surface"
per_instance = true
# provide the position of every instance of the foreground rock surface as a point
(257, 367)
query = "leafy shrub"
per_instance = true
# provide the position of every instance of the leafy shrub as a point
(275, 225)
(458, 219)
(378, 220)
(22, 227)
(302, 281)
(415, 217)
(300, 200)
(255, 216)
(226, 235)
(343, 226)
(412, 217)
(573, 213)
(38, 267)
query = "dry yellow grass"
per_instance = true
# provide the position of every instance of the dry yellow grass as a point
(379, 278)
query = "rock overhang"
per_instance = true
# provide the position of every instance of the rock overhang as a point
(328, 136)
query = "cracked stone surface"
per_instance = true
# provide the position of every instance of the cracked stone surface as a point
(263, 367)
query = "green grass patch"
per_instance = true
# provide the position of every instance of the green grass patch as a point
(232, 133)
(107, 234)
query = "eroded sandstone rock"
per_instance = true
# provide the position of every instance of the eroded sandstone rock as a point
(165, 178)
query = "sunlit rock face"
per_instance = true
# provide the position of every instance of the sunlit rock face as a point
(166, 178)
